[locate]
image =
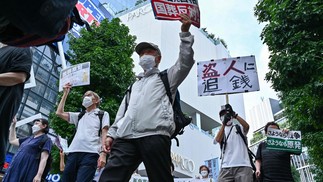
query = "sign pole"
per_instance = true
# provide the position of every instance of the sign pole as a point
(227, 98)
(61, 54)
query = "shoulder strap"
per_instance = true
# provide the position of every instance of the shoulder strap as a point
(100, 114)
(128, 93)
(250, 153)
(164, 78)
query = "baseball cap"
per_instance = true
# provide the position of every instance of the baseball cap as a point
(145, 45)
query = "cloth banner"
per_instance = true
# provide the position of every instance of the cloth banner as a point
(279, 140)
(76, 75)
(226, 76)
(170, 10)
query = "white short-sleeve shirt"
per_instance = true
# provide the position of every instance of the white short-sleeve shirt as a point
(86, 138)
(236, 152)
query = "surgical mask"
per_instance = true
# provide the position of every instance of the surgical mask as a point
(229, 123)
(204, 173)
(87, 101)
(35, 129)
(147, 62)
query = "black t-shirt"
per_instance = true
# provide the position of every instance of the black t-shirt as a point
(275, 164)
(12, 59)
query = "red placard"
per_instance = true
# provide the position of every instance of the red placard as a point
(170, 10)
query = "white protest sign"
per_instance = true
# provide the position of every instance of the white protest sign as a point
(31, 82)
(230, 75)
(27, 120)
(279, 140)
(76, 75)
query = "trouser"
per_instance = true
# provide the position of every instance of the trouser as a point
(80, 167)
(127, 154)
(236, 174)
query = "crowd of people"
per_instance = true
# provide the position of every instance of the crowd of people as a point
(133, 138)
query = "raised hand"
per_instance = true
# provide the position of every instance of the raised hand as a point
(186, 22)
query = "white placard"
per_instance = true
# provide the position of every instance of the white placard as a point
(230, 75)
(76, 75)
(27, 120)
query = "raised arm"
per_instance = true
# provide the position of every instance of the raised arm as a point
(60, 109)
(13, 140)
(243, 123)
(220, 134)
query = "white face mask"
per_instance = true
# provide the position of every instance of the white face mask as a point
(204, 173)
(147, 62)
(87, 101)
(229, 123)
(35, 129)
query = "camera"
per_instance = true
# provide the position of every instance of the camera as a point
(227, 117)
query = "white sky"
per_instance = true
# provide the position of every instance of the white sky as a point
(234, 21)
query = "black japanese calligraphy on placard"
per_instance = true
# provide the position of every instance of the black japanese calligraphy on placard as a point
(231, 75)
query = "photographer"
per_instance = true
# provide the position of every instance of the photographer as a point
(235, 164)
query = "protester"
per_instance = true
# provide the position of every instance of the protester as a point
(15, 65)
(144, 122)
(204, 172)
(87, 151)
(273, 165)
(29, 162)
(235, 164)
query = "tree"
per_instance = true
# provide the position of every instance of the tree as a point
(293, 34)
(109, 48)
(256, 137)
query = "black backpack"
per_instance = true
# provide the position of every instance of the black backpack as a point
(181, 120)
(49, 159)
(100, 114)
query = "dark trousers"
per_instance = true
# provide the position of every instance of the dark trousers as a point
(127, 154)
(80, 167)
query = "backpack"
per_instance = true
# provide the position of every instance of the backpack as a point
(100, 114)
(181, 120)
(49, 159)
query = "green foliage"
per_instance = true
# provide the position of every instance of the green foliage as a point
(256, 137)
(109, 48)
(295, 174)
(214, 39)
(294, 37)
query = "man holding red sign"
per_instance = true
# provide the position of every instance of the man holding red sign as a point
(144, 123)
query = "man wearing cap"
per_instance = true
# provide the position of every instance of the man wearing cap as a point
(235, 161)
(144, 122)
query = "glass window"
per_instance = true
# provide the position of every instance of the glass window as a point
(46, 107)
(33, 101)
(36, 56)
(42, 75)
(39, 89)
(52, 83)
(46, 63)
(28, 112)
(51, 95)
